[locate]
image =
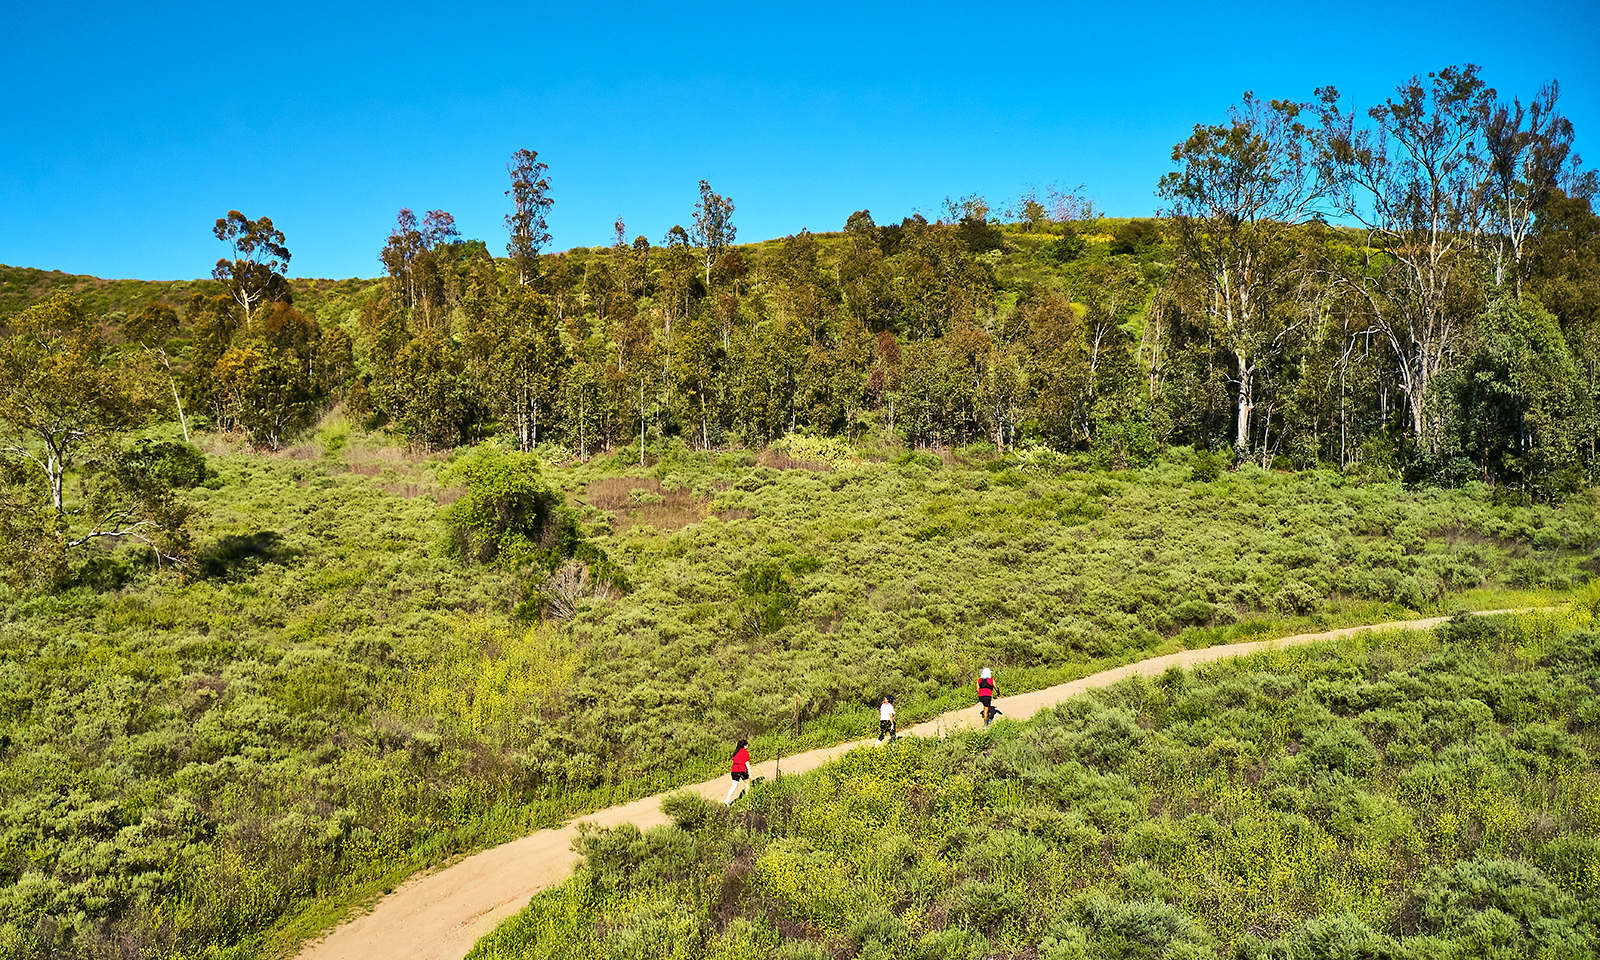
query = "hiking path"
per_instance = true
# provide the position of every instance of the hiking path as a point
(439, 915)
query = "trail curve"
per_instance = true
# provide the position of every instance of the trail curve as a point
(439, 915)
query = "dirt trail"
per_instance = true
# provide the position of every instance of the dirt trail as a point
(440, 915)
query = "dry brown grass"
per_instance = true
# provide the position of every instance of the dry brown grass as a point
(219, 444)
(675, 510)
(778, 460)
(408, 490)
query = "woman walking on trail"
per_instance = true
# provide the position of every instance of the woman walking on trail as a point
(741, 772)
(986, 696)
(886, 719)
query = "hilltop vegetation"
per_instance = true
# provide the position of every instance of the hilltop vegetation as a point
(1447, 333)
(1415, 796)
(116, 300)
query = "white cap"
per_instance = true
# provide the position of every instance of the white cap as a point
(986, 675)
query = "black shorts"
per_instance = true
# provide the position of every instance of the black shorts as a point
(884, 726)
(740, 775)
(985, 701)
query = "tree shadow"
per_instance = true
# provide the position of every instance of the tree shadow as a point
(237, 555)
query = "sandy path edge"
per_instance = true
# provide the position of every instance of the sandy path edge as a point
(440, 915)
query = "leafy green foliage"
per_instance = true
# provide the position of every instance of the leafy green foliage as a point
(1207, 466)
(339, 702)
(1298, 803)
(1135, 236)
(72, 474)
(509, 514)
(768, 599)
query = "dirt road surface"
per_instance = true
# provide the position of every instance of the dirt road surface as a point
(440, 915)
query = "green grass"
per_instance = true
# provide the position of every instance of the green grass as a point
(1399, 794)
(898, 579)
(234, 760)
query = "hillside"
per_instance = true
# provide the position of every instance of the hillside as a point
(21, 286)
(1422, 795)
(307, 585)
(330, 701)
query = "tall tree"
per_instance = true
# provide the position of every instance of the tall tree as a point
(260, 256)
(1564, 272)
(64, 400)
(1529, 149)
(399, 257)
(530, 198)
(1240, 185)
(863, 273)
(152, 327)
(713, 225)
(1415, 180)
(413, 257)
(528, 366)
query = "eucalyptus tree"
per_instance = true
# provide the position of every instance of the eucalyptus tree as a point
(530, 199)
(1416, 180)
(399, 255)
(413, 257)
(528, 366)
(1529, 150)
(152, 327)
(65, 402)
(863, 272)
(713, 226)
(1564, 272)
(260, 257)
(699, 368)
(1240, 187)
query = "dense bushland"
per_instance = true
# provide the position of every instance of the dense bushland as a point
(339, 694)
(827, 588)
(1416, 795)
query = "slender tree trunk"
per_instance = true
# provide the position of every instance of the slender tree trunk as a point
(182, 420)
(1241, 436)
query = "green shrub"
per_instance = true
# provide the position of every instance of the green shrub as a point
(1340, 937)
(918, 458)
(1126, 444)
(509, 513)
(689, 810)
(1341, 748)
(1456, 901)
(657, 931)
(767, 599)
(985, 907)
(1206, 467)
(833, 451)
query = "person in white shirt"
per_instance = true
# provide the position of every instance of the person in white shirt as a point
(886, 720)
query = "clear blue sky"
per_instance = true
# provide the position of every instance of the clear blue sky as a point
(127, 132)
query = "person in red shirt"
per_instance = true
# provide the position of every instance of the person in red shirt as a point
(986, 694)
(741, 771)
